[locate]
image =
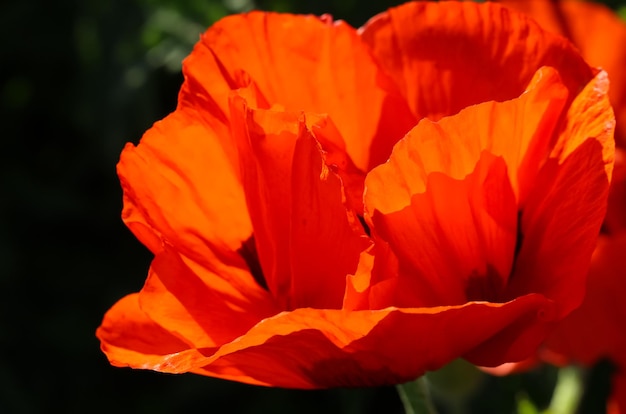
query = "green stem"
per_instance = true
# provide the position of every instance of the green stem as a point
(415, 397)
(567, 392)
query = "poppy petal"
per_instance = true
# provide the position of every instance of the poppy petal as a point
(510, 368)
(448, 191)
(266, 143)
(297, 207)
(172, 193)
(329, 348)
(325, 246)
(371, 287)
(597, 32)
(615, 219)
(316, 348)
(200, 307)
(556, 248)
(595, 330)
(147, 342)
(295, 61)
(455, 241)
(465, 53)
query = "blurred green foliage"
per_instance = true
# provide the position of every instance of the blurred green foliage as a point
(77, 81)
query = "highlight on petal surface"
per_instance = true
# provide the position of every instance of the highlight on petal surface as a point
(148, 342)
(317, 348)
(306, 63)
(201, 307)
(172, 194)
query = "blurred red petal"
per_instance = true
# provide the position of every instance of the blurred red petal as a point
(595, 330)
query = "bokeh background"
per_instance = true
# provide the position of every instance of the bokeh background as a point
(78, 79)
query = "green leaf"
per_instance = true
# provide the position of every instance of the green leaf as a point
(621, 12)
(525, 406)
(415, 397)
(567, 392)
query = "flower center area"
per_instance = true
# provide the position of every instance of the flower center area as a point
(440, 237)
(450, 240)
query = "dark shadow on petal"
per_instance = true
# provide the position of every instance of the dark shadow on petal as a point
(249, 254)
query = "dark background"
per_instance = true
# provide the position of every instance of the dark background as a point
(78, 79)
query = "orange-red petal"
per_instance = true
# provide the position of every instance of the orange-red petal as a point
(181, 189)
(304, 232)
(615, 219)
(315, 348)
(201, 307)
(129, 338)
(460, 54)
(455, 241)
(597, 32)
(565, 209)
(311, 64)
(448, 199)
(596, 329)
(325, 245)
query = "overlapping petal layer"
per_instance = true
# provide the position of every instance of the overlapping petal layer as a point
(446, 206)
(418, 205)
(315, 348)
(597, 32)
(595, 330)
(310, 64)
(461, 54)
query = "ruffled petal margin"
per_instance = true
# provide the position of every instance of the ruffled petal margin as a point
(315, 348)
(180, 188)
(306, 63)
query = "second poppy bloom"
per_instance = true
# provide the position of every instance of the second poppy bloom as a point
(333, 207)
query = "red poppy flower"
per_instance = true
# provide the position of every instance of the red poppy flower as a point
(290, 252)
(599, 34)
